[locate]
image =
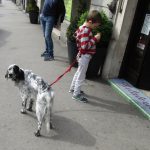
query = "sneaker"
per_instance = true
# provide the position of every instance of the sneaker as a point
(43, 54)
(71, 91)
(48, 58)
(80, 98)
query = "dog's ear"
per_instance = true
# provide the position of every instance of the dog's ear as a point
(16, 69)
(18, 73)
(21, 74)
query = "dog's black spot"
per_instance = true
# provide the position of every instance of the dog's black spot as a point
(21, 74)
(44, 85)
(16, 69)
(34, 77)
(18, 73)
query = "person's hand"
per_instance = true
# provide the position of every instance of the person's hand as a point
(78, 56)
(98, 36)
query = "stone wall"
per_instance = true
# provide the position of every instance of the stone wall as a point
(122, 26)
(101, 5)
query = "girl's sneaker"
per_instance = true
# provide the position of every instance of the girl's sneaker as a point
(71, 91)
(80, 98)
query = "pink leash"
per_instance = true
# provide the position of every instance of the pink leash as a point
(67, 70)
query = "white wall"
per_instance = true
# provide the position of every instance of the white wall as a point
(101, 5)
(117, 46)
(39, 3)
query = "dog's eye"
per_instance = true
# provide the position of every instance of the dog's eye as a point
(9, 69)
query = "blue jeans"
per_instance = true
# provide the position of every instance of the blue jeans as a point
(47, 23)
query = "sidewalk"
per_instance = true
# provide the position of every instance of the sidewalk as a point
(107, 122)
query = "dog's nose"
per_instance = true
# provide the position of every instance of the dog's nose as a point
(8, 75)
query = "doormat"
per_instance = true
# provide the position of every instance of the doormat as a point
(133, 95)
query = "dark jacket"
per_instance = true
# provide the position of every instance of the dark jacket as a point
(54, 8)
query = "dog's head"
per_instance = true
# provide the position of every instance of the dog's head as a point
(14, 73)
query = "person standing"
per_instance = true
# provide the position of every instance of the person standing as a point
(86, 44)
(53, 11)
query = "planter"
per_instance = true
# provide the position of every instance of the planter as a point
(34, 17)
(12, 0)
(72, 52)
(95, 67)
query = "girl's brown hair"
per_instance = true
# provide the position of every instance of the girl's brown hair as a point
(94, 16)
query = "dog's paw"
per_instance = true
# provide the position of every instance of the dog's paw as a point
(29, 109)
(37, 133)
(52, 126)
(23, 111)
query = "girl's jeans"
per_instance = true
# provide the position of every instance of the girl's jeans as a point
(47, 23)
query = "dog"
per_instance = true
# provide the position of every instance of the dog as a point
(33, 87)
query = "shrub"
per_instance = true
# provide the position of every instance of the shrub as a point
(32, 6)
(74, 22)
(105, 28)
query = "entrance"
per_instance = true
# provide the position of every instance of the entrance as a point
(136, 63)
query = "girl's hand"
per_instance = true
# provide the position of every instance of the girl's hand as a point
(78, 56)
(98, 36)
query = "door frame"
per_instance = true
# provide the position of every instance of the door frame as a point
(133, 36)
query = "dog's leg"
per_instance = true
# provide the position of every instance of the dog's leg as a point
(49, 118)
(24, 103)
(51, 124)
(37, 133)
(40, 111)
(29, 108)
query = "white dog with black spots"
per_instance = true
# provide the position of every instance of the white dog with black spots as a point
(33, 87)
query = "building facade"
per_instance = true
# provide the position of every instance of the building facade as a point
(129, 49)
(128, 54)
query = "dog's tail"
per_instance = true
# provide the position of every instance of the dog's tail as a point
(49, 112)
